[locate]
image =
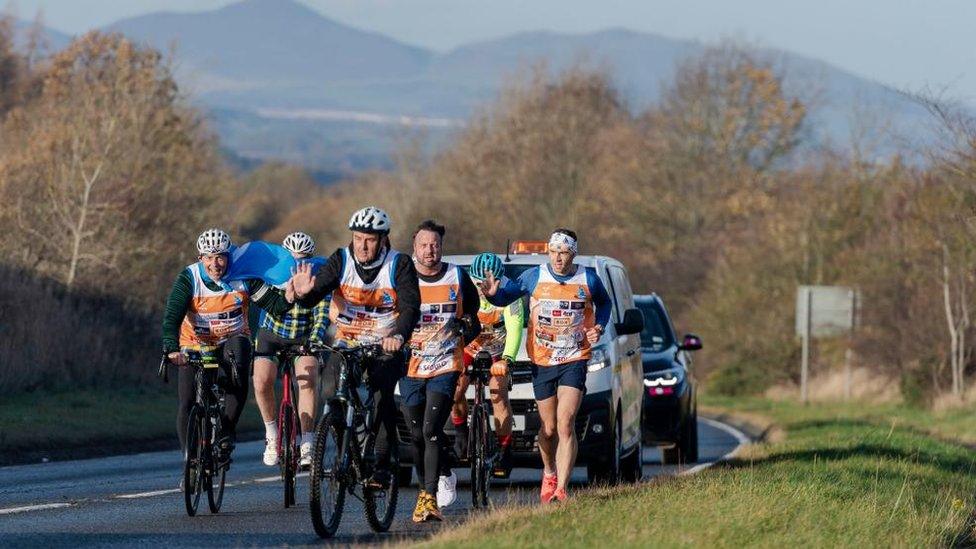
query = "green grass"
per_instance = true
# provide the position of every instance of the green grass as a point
(834, 476)
(82, 420)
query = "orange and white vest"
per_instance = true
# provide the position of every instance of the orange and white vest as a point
(493, 332)
(364, 313)
(434, 348)
(214, 316)
(559, 315)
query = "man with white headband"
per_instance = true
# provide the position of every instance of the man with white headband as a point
(568, 310)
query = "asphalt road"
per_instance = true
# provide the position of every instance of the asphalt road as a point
(133, 500)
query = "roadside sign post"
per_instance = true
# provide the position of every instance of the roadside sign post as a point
(805, 353)
(825, 311)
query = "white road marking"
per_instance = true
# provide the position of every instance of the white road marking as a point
(39, 507)
(739, 436)
(148, 494)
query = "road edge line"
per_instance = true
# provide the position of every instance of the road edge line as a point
(739, 436)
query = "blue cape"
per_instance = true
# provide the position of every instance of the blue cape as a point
(272, 263)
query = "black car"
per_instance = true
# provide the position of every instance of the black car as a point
(670, 408)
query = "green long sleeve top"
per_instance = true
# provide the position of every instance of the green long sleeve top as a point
(263, 295)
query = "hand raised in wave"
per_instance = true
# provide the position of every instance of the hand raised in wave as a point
(302, 280)
(490, 285)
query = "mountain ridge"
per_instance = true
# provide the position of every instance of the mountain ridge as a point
(261, 56)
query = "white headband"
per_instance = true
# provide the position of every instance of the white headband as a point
(563, 239)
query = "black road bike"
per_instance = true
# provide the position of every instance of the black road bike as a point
(344, 458)
(205, 464)
(482, 445)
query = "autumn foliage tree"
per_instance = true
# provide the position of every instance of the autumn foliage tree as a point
(106, 172)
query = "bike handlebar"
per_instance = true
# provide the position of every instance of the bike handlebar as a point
(164, 364)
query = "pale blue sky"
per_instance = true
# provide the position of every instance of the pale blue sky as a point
(903, 43)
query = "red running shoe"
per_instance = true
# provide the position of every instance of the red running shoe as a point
(549, 483)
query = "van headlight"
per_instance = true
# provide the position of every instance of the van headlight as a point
(664, 378)
(599, 359)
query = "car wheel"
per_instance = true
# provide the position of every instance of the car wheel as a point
(691, 449)
(632, 467)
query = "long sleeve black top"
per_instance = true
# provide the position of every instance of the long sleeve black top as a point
(408, 292)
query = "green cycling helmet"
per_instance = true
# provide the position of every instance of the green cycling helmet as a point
(485, 263)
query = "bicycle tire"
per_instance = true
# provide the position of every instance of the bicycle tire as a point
(479, 464)
(215, 495)
(328, 473)
(289, 458)
(378, 520)
(193, 461)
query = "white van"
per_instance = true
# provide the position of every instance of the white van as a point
(609, 421)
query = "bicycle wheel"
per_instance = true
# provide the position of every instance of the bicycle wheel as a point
(380, 505)
(193, 461)
(479, 461)
(327, 493)
(215, 493)
(289, 457)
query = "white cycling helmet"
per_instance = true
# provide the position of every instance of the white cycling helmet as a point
(299, 243)
(213, 241)
(370, 220)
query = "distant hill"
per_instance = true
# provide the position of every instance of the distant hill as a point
(258, 65)
(272, 44)
(54, 40)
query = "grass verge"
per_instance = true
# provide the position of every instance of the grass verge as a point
(85, 423)
(837, 476)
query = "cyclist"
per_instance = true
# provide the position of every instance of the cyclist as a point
(298, 327)
(559, 350)
(376, 300)
(207, 314)
(501, 335)
(449, 304)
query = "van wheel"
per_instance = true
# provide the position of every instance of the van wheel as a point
(605, 469)
(632, 466)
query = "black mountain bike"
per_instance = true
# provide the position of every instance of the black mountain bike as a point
(204, 465)
(482, 445)
(344, 457)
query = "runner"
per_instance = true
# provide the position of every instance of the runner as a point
(501, 336)
(448, 305)
(568, 311)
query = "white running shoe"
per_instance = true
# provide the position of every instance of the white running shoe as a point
(305, 459)
(446, 490)
(271, 452)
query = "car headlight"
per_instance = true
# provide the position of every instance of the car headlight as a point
(599, 359)
(664, 378)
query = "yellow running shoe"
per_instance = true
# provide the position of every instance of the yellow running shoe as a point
(431, 510)
(420, 510)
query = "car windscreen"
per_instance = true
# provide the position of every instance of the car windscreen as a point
(656, 335)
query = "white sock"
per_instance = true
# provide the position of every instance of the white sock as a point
(271, 430)
(308, 438)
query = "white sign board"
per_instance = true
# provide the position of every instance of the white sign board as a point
(829, 310)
